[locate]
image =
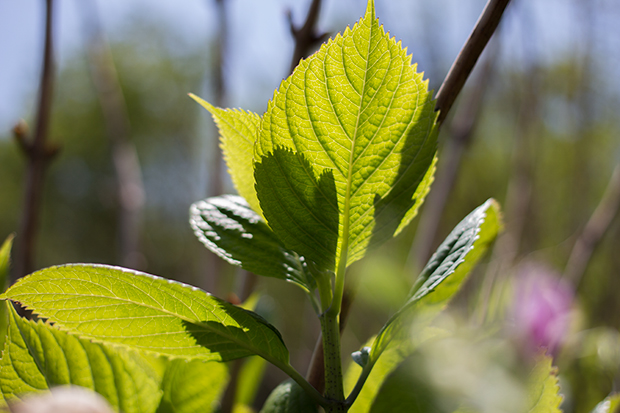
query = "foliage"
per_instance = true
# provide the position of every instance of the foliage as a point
(338, 165)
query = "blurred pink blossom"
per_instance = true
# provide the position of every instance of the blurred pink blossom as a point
(542, 308)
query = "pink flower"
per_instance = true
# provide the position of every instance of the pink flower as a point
(542, 308)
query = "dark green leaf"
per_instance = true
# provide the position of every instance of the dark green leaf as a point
(288, 397)
(447, 269)
(232, 230)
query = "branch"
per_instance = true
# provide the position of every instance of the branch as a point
(124, 155)
(305, 36)
(38, 153)
(595, 229)
(468, 56)
(462, 128)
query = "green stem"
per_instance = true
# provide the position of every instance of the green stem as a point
(334, 390)
(358, 386)
(303, 383)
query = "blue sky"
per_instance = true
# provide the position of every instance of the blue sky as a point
(260, 44)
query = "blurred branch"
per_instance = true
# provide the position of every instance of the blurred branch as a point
(468, 56)
(38, 153)
(118, 128)
(462, 128)
(305, 36)
(219, 93)
(595, 229)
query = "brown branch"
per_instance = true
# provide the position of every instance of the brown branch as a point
(305, 36)
(462, 129)
(468, 56)
(38, 153)
(124, 155)
(595, 229)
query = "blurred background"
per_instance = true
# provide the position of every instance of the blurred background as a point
(537, 127)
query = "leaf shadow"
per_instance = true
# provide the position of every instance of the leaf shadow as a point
(300, 205)
(417, 157)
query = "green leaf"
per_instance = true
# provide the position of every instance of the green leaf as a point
(345, 144)
(38, 356)
(447, 269)
(609, 405)
(288, 397)
(392, 357)
(232, 230)
(5, 258)
(147, 313)
(543, 389)
(238, 132)
(250, 378)
(192, 386)
(404, 391)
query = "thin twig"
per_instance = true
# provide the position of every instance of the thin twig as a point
(468, 56)
(595, 229)
(38, 152)
(462, 128)
(305, 36)
(123, 151)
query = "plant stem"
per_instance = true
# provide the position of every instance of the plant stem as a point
(331, 358)
(468, 56)
(39, 153)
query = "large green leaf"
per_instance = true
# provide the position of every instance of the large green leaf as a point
(147, 313)
(232, 230)
(238, 132)
(38, 356)
(193, 386)
(345, 144)
(543, 389)
(447, 269)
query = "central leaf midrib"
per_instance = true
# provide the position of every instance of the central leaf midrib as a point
(347, 201)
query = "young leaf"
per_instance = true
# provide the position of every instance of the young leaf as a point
(238, 132)
(543, 389)
(349, 136)
(447, 269)
(193, 386)
(147, 313)
(38, 356)
(232, 230)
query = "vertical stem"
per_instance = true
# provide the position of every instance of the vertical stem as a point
(38, 154)
(333, 368)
